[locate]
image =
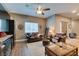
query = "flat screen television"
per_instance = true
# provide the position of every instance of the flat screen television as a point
(4, 25)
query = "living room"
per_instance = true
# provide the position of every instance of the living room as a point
(57, 18)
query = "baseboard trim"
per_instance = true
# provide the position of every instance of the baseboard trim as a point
(20, 40)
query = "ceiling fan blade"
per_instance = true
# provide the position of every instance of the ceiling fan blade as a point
(46, 9)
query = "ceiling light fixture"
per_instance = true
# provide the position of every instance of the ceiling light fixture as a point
(74, 11)
(39, 12)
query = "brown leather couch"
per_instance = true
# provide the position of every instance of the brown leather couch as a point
(33, 37)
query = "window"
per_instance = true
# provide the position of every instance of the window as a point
(3, 25)
(31, 27)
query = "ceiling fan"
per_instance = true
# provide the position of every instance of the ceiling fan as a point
(40, 10)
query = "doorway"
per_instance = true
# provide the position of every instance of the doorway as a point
(64, 27)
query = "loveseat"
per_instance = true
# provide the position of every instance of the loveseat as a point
(59, 37)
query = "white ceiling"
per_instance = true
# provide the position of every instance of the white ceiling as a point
(64, 9)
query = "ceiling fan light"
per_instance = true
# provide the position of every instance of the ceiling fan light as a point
(39, 12)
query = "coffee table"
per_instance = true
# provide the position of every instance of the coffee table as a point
(61, 49)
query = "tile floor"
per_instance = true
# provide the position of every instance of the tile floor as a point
(36, 48)
(30, 49)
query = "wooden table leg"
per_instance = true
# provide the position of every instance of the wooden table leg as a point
(76, 51)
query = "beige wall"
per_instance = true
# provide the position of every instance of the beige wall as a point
(56, 20)
(59, 20)
(75, 28)
(21, 19)
(74, 24)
